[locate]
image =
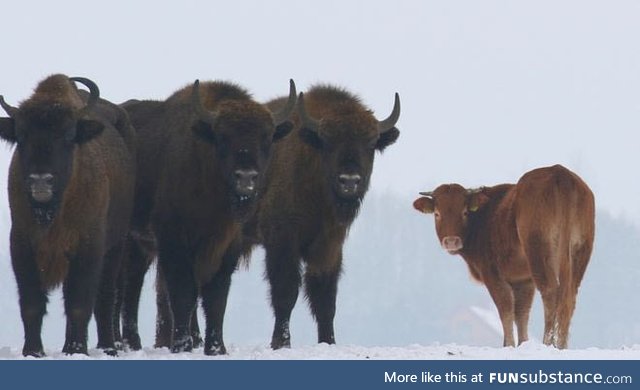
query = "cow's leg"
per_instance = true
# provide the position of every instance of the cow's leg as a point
(33, 298)
(105, 306)
(502, 296)
(580, 255)
(80, 290)
(283, 272)
(214, 301)
(137, 264)
(523, 298)
(176, 267)
(545, 279)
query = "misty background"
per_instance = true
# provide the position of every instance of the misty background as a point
(489, 90)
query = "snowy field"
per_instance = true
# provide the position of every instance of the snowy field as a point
(527, 351)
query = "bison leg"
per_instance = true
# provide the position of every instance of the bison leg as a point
(164, 317)
(502, 296)
(214, 301)
(182, 289)
(136, 266)
(523, 296)
(195, 330)
(321, 291)
(80, 289)
(283, 271)
(105, 304)
(33, 299)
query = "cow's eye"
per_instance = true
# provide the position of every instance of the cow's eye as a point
(436, 214)
(465, 213)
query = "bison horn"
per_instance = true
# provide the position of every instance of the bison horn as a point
(12, 111)
(282, 115)
(427, 193)
(94, 93)
(390, 122)
(307, 121)
(202, 112)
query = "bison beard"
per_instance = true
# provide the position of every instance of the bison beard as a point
(44, 214)
(347, 209)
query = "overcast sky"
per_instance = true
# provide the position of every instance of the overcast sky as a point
(489, 89)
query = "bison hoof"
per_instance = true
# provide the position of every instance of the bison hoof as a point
(110, 351)
(197, 340)
(182, 345)
(33, 353)
(133, 343)
(71, 348)
(215, 350)
(278, 344)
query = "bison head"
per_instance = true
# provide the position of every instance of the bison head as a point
(347, 138)
(242, 132)
(452, 206)
(46, 130)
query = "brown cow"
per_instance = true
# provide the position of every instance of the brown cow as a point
(71, 192)
(537, 233)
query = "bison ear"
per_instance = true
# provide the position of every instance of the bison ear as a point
(387, 138)
(8, 130)
(311, 137)
(424, 205)
(282, 130)
(204, 131)
(476, 201)
(87, 129)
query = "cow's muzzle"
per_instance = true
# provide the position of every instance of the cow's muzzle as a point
(452, 244)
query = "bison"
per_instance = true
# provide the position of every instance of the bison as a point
(201, 162)
(71, 193)
(316, 183)
(515, 238)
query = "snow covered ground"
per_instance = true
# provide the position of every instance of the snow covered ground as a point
(527, 351)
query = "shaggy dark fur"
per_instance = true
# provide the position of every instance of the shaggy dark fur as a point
(75, 237)
(191, 197)
(306, 210)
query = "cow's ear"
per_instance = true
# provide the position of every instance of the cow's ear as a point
(87, 129)
(311, 137)
(204, 131)
(476, 201)
(424, 205)
(387, 138)
(8, 130)
(282, 130)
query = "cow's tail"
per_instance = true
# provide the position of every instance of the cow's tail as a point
(576, 246)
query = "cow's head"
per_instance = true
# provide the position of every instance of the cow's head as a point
(242, 132)
(452, 206)
(347, 138)
(46, 129)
